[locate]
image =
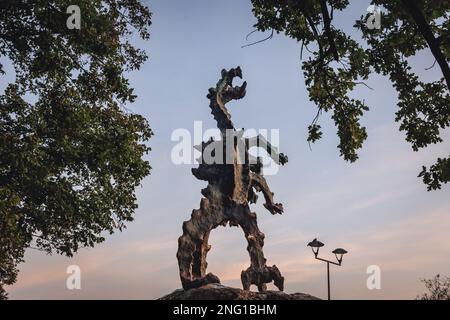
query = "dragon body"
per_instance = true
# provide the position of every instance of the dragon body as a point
(232, 186)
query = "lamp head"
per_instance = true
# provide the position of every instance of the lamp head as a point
(315, 246)
(339, 253)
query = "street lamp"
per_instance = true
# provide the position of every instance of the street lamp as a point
(339, 253)
(315, 246)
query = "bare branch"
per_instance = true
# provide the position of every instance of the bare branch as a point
(259, 41)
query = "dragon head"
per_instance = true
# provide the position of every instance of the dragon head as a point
(222, 94)
(224, 88)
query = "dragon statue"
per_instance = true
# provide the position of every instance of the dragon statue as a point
(232, 186)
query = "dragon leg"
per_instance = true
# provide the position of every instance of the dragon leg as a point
(193, 245)
(258, 273)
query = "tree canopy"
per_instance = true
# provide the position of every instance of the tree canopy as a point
(71, 153)
(437, 288)
(338, 63)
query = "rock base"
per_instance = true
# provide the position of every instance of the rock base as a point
(219, 292)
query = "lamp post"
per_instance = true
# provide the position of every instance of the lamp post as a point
(339, 253)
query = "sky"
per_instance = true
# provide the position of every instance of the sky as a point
(376, 208)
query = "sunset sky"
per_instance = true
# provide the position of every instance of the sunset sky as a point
(376, 208)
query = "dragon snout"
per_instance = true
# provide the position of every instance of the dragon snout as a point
(238, 72)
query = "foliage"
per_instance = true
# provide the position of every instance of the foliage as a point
(337, 64)
(71, 156)
(438, 289)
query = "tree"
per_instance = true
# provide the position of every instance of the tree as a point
(338, 63)
(438, 289)
(71, 154)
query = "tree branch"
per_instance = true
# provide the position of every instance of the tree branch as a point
(327, 27)
(424, 28)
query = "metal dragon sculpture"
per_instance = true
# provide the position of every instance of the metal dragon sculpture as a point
(232, 186)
